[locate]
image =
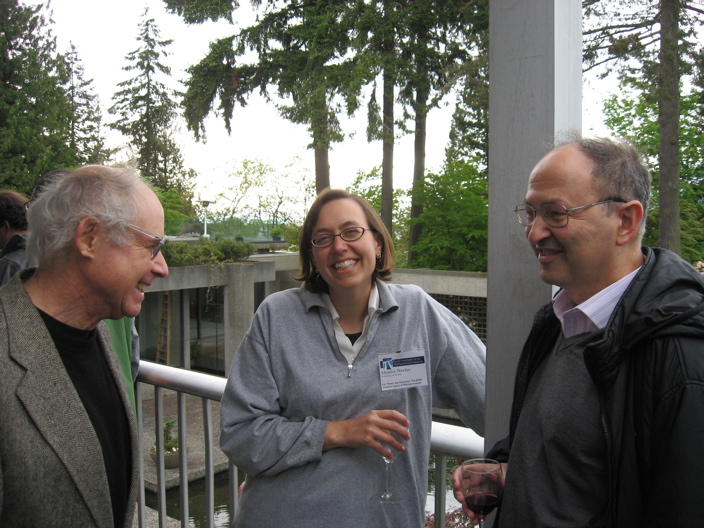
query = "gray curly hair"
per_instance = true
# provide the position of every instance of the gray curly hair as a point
(105, 193)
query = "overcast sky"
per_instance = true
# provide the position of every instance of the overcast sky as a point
(105, 32)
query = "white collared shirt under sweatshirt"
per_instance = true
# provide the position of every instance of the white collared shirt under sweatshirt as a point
(351, 350)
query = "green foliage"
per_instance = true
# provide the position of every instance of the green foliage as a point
(176, 210)
(198, 11)
(454, 220)
(35, 111)
(292, 233)
(369, 187)
(171, 444)
(652, 44)
(232, 250)
(469, 134)
(196, 349)
(624, 36)
(300, 50)
(634, 116)
(207, 252)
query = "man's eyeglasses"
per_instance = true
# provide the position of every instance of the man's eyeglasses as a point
(555, 215)
(157, 245)
(348, 235)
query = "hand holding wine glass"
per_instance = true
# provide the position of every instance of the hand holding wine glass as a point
(482, 485)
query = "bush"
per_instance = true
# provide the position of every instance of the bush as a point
(206, 252)
(170, 442)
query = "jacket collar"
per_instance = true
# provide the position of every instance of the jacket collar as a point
(663, 299)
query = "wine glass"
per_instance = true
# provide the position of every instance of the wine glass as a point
(387, 497)
(482, 485)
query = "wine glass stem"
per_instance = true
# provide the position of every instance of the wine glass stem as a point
(387, 492)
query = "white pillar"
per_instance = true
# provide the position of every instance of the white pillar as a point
(535, 67)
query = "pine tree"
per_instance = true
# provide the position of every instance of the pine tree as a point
(301, 52)
(146, 110)
(85, 132)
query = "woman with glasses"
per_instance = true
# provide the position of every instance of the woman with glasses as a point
(329, 371)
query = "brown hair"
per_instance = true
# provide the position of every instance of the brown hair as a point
(308, 275)
(12, 210)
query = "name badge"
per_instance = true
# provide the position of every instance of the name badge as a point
(402, 370)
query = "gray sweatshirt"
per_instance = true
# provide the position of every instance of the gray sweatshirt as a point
(288, 379)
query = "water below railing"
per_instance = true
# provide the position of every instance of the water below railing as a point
(197, 515)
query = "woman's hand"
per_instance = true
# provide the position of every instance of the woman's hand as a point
(368, 430)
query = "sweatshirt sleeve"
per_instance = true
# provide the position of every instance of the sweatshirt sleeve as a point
(255, 435)
(459, 380)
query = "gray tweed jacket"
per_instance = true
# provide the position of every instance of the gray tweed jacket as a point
(51, 464)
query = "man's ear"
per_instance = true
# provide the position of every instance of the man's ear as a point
(88, 233)
(630, 215)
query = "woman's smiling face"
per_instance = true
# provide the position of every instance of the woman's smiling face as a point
(345, 266)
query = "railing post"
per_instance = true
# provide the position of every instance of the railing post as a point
(160, 472)
(183, 458)
(141, 495)
(209, 470)
(440, 492)
(233, 478)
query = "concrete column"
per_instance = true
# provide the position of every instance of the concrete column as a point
(185, 315)
(535, 94)
(239, 307)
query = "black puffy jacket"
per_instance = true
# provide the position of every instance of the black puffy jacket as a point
(648, 367)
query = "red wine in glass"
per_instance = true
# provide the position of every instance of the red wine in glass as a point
(482, 503)
(482, 484)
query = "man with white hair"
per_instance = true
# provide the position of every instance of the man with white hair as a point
(68, 442)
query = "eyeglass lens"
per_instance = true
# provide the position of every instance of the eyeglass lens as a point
(348, 235)
(555, 215)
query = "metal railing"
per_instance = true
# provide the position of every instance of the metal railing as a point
(446, 440)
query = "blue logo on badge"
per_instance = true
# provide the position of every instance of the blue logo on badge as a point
(387, 364)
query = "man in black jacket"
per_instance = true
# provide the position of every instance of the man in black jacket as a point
(607, 425)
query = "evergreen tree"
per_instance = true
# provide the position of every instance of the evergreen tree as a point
(469, 133)
(650, 42)
(301, 52)
(85, 126)
(378, 30)
(441, 40)
(146, 110)
(34, 109)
